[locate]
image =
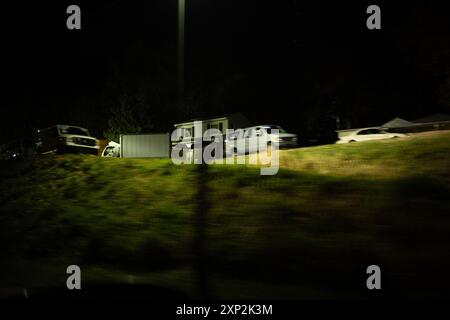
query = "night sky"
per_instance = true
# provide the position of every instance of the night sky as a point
(294, 63)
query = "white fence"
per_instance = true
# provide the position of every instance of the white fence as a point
(145, 145)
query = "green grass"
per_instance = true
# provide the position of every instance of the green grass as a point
(308, 232)
(425, 153)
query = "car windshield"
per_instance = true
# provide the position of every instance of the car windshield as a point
(235, 134)
(269, 129)
(75, 130)
(369, 131)
(109, 151)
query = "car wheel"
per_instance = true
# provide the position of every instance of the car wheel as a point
(352, 141)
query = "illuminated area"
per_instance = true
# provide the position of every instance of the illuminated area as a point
(203, 150)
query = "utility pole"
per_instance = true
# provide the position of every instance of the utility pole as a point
(181, 23)
(202, 203)
(200, 227)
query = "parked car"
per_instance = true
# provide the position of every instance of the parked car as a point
(368, 134)
(66, 139)
(112, 150)
(17, 149)
(249, 138)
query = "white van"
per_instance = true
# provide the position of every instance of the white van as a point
(248, 138)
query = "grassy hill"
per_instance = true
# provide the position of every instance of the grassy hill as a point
(308, 232)
(421, 154)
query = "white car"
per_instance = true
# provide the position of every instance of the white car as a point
(248, 139)
(112, 150)
(368, 134)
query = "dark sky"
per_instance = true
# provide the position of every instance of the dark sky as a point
(284, 58)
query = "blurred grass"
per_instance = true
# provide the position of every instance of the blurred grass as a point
(308, 232)
(425, 153)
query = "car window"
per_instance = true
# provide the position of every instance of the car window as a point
(109, 151)
(268, 130)
(280, 129)
(363, 132)
(75, 130)
(48, 133)
(234, 135)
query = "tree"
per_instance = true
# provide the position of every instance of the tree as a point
(129, 115)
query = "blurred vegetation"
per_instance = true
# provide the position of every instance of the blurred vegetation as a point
(308, 232)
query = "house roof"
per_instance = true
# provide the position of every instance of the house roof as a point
(437, 117)
(397, 123)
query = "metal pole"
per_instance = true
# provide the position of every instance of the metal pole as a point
(199, 243)
(181, 23)
(200, 226)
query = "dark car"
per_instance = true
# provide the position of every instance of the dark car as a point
(23, 148)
